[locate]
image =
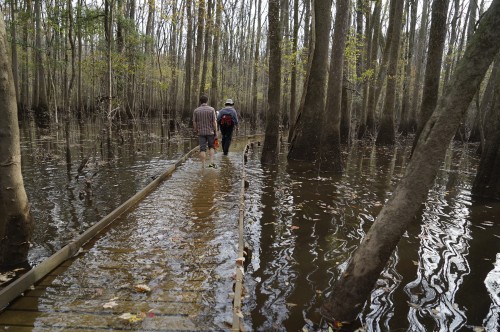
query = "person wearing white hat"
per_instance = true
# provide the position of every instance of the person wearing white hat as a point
(227, 120)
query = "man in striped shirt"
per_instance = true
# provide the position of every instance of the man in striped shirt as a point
(205, 125)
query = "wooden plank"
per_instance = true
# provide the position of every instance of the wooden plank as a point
(12, 320)
(34, 304)
(13, 290)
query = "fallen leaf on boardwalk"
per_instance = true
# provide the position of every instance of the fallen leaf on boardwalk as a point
(142, 288)
(6, 277)
(291, 304)
(240, 260)
(99, 291)
(294, 227)
(479, 329)
(109, 305)
(415, 263)
(130, 318)
(304, 329)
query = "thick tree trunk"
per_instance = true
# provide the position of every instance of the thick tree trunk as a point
(434, 60)
(13, 34)
(293, 83)
(16, 224)
(487, 181)
(214, 91)
(387, 132)
(186, 111)
(25, 100)
(270, 150)
(304, 144)
(198, 52)
(40, 102)
(421, 46)
(331, 154)
(371, 103)
(255, 74)
(369, 260)
(367, 64)
(208, 45)
(487, 103)
(404, 125)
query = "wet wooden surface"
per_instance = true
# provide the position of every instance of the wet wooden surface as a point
(181, 242)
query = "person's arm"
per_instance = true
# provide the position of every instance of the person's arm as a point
(195, 128)
(235, 119)
(215, 124)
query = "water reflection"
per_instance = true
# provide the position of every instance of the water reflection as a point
(66, 201)
(492, 283)
(305, 228)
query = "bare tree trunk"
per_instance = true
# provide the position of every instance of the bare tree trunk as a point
(404, 125)
(387, 132)
(419, 61)
(255, 74)
(186, 112)
(16, 224)
(366, 65)
(451, 44)
(304, 145)
(437, 36)
(13, 34)
(79, 105)
(208, 46)
(369, 260)
(25, 99)
(215, 58)
(293, 83)
(372, 100)
(40, 103)
(198, 51)
(487, 181)
(109, 4)
(331, 154)
(487, 102)
(270, 150)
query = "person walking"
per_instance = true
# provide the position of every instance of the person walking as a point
(205, 126)
(227, 119)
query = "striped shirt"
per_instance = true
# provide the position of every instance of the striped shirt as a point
(204, 120)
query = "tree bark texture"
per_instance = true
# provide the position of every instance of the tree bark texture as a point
(404, 125)
(186, 112)
(487, 181)
(434, 60)
(16, 224)
(355, 284)
(270, 150)
(387, 131)
(371, 103)
(331, 156)
(306, 134)
(214, 90)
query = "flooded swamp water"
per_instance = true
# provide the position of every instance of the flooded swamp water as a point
(302, 226)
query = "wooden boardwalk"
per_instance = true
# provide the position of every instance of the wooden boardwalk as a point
(169, 264)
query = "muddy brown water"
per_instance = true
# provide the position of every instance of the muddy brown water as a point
(303, 227)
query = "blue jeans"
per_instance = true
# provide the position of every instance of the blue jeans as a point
(227, 134)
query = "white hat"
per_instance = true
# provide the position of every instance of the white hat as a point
(229, 102)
